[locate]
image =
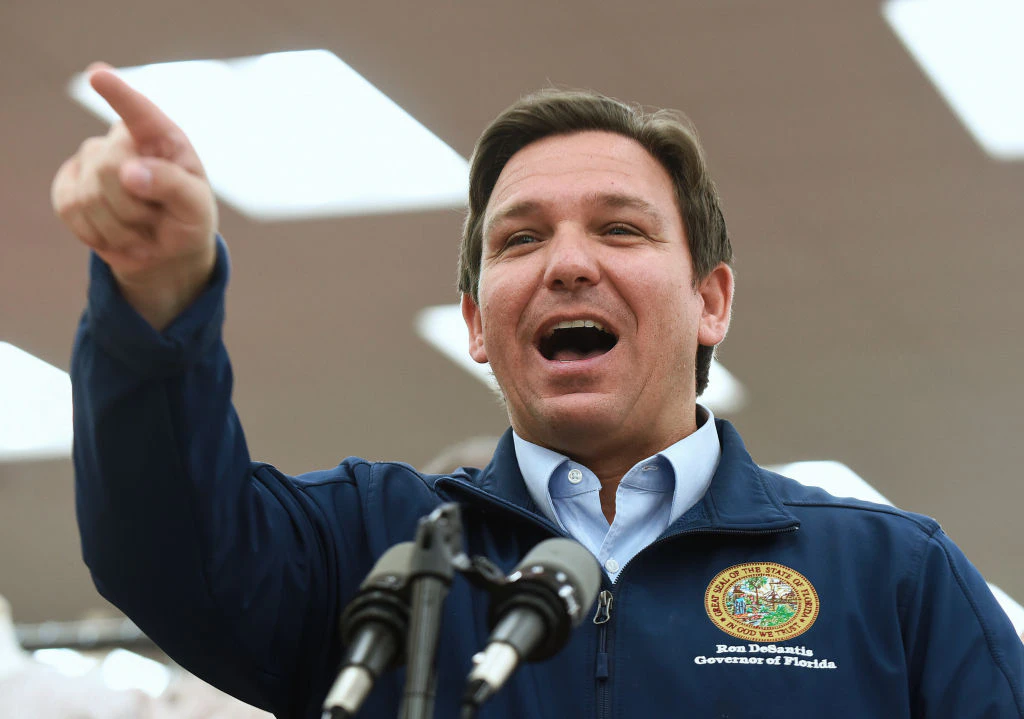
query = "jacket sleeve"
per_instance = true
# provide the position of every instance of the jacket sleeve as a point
(964, 657)
(226, 564)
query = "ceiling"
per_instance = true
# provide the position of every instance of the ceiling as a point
(878, 311)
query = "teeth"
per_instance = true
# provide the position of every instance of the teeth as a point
(569, 324)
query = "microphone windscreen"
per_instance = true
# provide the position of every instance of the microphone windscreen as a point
(572, 559)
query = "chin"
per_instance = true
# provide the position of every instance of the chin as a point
(573, 420)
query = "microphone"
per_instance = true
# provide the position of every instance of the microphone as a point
(373, 628)
(533, 613)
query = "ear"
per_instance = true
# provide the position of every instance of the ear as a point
(716, 291)
(471, 314)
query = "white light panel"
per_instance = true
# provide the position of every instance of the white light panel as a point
(834, 477)
(1013, 610)
(972, 50)
(68, 662)
(35, 407)
(122, 669)
(298, 134)
(444, 329)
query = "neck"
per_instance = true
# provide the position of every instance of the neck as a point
(610, 471)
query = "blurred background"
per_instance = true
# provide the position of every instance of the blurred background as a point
(875, 216)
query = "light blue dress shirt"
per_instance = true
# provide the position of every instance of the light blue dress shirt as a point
(651, 495)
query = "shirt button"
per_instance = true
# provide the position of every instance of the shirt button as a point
(575, 476)
(612, 566)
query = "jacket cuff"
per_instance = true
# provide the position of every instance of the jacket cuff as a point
(123, 334)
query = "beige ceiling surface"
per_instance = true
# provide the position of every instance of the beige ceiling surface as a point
(879, 305)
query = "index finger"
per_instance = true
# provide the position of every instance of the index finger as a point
(149, 126)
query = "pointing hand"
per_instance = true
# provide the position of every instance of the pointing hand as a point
(140, 199)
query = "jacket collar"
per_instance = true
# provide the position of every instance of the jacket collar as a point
(739, 499)
(500, 482)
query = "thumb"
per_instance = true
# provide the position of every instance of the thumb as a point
(184, 195)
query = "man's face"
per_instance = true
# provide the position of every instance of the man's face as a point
(587, 309)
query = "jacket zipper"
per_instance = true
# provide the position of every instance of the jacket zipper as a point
(601, 618)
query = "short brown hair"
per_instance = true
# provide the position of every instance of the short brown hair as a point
(667, 135)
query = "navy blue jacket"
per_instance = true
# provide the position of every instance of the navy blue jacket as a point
(767, 598)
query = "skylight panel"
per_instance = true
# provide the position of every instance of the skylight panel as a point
(298, 134)
(35, 407)
(973, 53)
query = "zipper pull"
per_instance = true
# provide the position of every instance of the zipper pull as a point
(604, 607)
(601, 617)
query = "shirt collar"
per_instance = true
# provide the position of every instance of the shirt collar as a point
(741, 497)
(537, 464)
(694, 460)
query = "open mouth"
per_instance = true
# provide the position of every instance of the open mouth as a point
(574, 340)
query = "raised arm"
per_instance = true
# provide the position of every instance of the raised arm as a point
(230, 566)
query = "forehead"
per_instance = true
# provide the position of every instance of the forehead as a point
(563, 168)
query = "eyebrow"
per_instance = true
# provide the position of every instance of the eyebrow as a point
(610, 200)
(617, 200)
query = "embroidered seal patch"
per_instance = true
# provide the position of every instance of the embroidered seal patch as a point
(761, 602)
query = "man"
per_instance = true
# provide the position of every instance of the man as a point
(596, 281)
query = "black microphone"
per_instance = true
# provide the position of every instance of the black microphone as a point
(533, 613)
(373, 628)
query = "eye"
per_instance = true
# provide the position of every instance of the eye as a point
(624, 230)
(523, 238)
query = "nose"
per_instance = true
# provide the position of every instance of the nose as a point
(572, 262)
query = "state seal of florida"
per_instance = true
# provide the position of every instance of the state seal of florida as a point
(761, 602)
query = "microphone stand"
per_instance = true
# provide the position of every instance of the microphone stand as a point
(438, 544)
